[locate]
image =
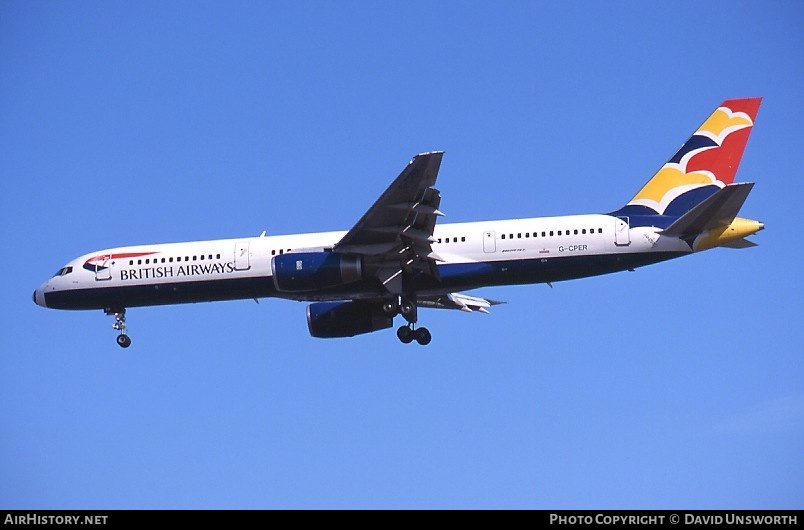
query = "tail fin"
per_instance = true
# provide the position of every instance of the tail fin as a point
(706, 163)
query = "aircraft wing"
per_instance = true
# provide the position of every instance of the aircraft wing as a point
(395, 235)
(464, 302)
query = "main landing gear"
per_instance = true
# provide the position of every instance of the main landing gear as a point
(408, 309)
(408, 334)
(123, 340)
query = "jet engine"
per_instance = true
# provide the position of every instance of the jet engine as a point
(310, 271)
(346, 319)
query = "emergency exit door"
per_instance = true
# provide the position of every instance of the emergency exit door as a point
(489, 242)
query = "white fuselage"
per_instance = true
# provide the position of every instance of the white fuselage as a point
(241, 268)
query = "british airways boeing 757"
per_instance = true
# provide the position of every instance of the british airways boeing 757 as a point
(396, 259)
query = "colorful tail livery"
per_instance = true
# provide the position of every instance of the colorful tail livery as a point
(705, 163)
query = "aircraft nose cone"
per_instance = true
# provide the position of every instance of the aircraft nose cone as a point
(39, 296)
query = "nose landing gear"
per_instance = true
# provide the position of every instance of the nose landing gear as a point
(123, 340)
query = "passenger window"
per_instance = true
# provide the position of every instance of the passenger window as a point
(202, 256)
(170, 260)
(527, 234)
(503, 236)
(273, 252)
(139, 262)
(519, 236)
(575, 231)
(131, 262)
(599, 230)
(218, 256)
(559, 232)
(583, 231)
(463, 239)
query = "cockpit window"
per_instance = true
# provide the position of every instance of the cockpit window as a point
(64, 271)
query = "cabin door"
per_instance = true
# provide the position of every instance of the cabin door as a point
(622, 232)
(242, 259)
(103, 268)
(489, 242)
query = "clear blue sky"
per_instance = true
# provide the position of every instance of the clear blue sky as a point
(678, 385)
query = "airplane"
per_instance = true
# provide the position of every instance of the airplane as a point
(396, 259)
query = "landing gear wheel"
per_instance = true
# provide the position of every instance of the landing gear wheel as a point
(405, 334)
(124, 341)
(422, 336)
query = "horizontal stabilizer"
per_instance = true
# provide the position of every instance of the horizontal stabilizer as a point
(719, 210)
(740, 243)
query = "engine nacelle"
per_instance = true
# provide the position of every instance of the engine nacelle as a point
(310, 271)
(345, 319)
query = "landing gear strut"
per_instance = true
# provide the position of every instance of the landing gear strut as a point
(123, 340)
(408, 333)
